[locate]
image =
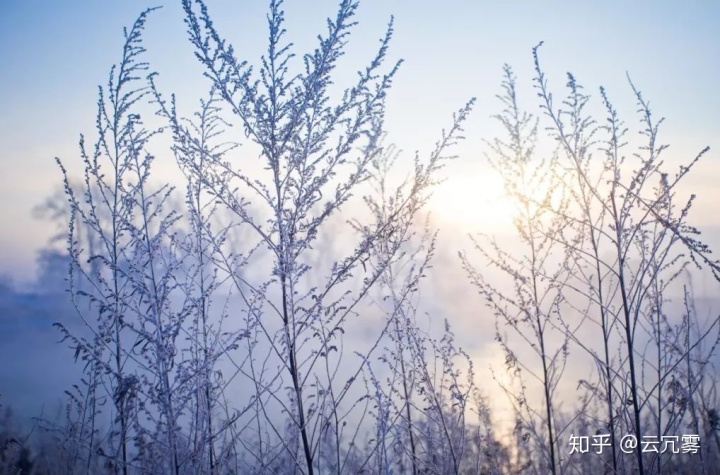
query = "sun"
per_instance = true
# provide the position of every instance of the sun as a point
(475, 201)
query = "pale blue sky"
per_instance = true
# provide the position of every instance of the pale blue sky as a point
(54, 54)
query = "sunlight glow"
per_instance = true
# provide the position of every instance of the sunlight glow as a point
(475, 201)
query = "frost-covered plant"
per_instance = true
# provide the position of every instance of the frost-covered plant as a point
(422, 404)
(628, 207)
(130, 343)
(608, 242)
(315, 156)
(533, 296)
(157, 327)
